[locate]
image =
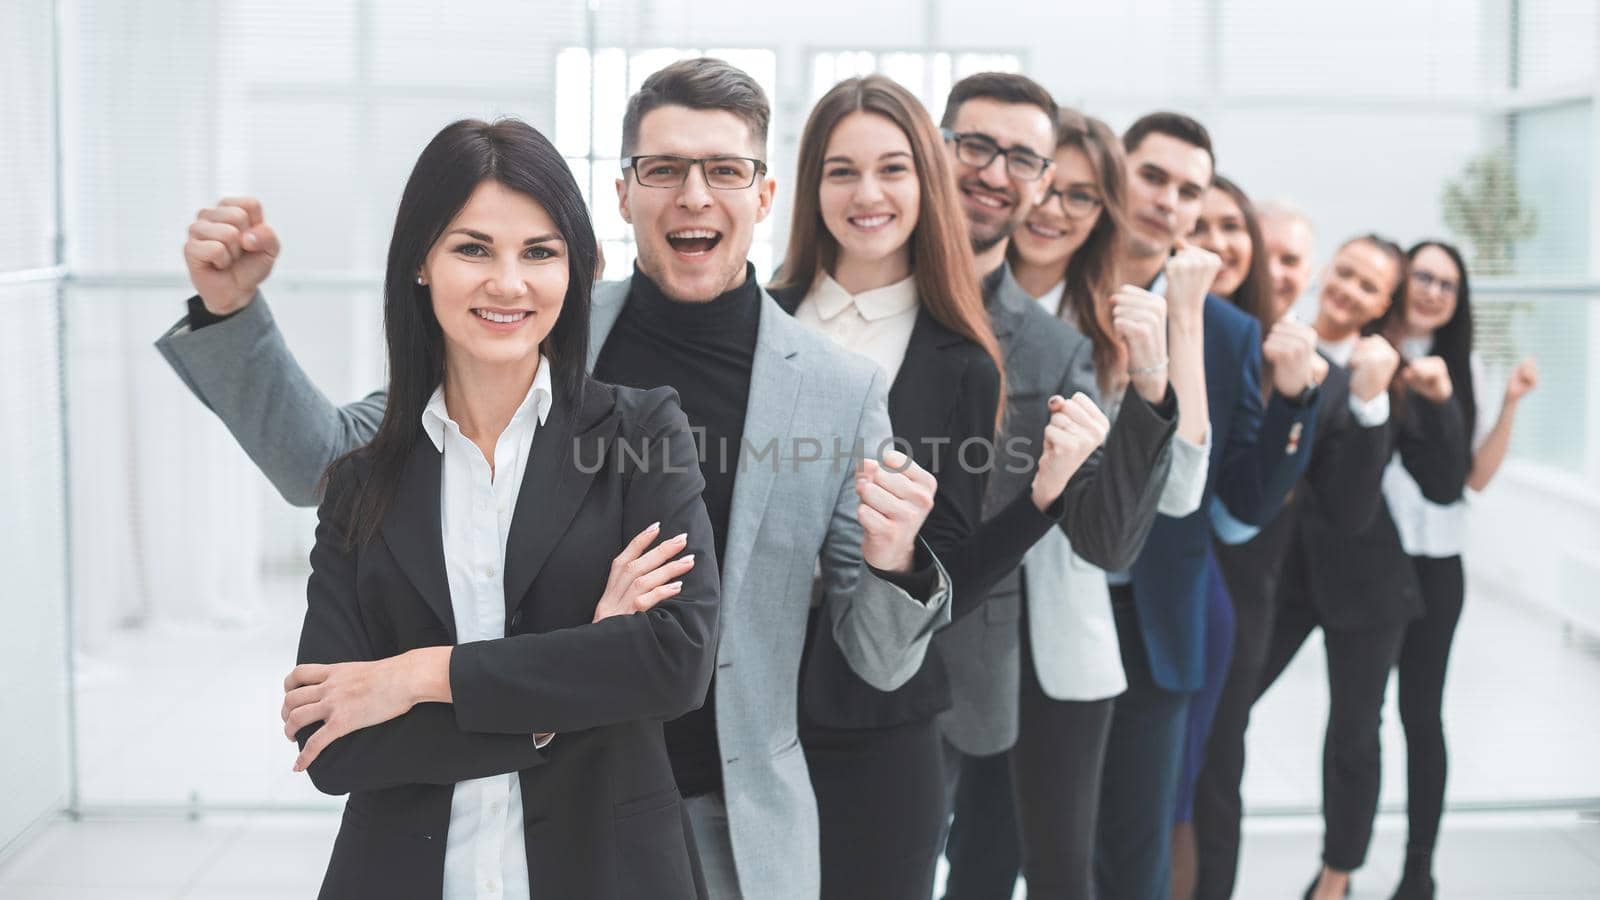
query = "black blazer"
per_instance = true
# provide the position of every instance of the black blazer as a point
(602, 812)
(1345, 559)
(946, 392)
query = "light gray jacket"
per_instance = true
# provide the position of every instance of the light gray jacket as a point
(780, 530)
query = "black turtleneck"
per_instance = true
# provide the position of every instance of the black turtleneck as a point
(704, 351)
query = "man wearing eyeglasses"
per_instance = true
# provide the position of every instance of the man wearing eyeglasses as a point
(779, 414)
(1000, 132)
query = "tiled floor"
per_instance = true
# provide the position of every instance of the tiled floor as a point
(173, 715)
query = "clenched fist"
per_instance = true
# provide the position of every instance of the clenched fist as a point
(1075, 429)
(1524, 378)
(1190, 272)
(1372, 367)
(896, 496)
(1429, 378)
(230, 251)
(1290, 347)
(1139, 321)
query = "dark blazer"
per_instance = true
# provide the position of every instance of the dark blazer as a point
(1253, 465)
(946, 391)
(602, 812)
(1346, 559)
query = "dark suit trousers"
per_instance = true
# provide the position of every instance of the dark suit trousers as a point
(1423, 659)
(1133, 859)
(1056, 767)
(1249, 572)
(1358, 674)
(983, 848)
(881, 807)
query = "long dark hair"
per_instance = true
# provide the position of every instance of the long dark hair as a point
(462, 156)
(1254, 293)
(1452, 342)
(941, 258)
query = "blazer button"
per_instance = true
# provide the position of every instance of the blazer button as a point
(516, 618)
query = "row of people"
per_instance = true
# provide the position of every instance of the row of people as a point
(724, 662)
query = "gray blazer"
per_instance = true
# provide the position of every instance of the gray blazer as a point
(780, 531)
(1109, 506)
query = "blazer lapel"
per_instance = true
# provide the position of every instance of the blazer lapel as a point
(414, 534)
(554, 485)
(775, 379)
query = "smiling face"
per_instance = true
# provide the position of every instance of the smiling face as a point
(1432, 291)
(1050, 235)
(497, 277)
(1167, 178)
(870, 195)
(1289, 244)
(996, 202)
(693, 240)
(1356, 289)
(1222, 230)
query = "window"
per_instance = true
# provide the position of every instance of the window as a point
(591, 95)
(928, 75)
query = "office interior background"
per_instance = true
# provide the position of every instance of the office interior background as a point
(154, 581)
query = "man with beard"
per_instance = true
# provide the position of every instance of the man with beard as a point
(1000, 131)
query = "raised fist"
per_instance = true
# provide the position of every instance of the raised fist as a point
(1075, 429)
(1190, 273)
(1290, 346)
(230, 251)
(1429, 378)
(1372, 367)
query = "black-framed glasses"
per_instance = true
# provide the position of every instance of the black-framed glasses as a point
(725, 173)
(1427, 280)
(979, 150)
(1075, 201)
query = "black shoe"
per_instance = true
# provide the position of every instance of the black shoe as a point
(1416, 882)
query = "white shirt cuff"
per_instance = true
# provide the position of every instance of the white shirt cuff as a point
(1369, 413)
(541, 740)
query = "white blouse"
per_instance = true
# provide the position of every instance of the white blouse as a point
(485, 855)
(876, 324)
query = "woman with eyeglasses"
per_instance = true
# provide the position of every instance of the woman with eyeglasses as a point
(1065, 256)
(1438, 322)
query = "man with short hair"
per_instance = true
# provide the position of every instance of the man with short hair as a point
(1000, 131)
(761, 393)
(1258, 452)
(1289, 241)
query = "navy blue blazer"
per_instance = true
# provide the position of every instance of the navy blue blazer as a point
(1258, 452)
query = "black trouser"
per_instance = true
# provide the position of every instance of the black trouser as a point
(1056, 767)
(1250, 572)
(880, 806)
(983, 848)
(1358, 674)
(1139, 784)
(1424, 655)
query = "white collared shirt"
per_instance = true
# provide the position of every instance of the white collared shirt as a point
(876, 324)
(485, 856)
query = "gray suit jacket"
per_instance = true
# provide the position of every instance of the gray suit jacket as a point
(780, 530)
(1109, 506)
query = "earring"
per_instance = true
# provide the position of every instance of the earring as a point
(420, 281)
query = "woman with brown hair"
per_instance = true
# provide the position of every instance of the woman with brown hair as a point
(1065, 255)
(879, 261)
